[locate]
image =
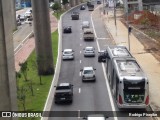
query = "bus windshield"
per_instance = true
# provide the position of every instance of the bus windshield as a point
(134, 91)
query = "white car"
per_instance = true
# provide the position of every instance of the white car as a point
(89, 52)
(85, 24)
(68, 54)
(88, 74)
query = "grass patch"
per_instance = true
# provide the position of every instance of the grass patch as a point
(37, 101)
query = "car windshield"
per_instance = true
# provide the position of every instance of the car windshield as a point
(89, 49)
(62, 87)
(67, 52)
(88, 71)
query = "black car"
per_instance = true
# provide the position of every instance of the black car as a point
(102, 56)
(75, 15)
(67, 29)
(63, 93)
(98, 2)
(82, 7)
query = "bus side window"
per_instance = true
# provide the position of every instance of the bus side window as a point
(117, 84)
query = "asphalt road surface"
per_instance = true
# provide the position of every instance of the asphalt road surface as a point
(23, 30)
(90, 96)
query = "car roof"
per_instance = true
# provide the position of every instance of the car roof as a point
(88, 68)
(85, 21)
(64, 84)
(88, 30)
(68, 50)
(89, 47)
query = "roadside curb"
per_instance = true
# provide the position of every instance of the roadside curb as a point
(49, 101)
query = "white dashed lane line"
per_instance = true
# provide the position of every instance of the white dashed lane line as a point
(79, 73)
(80, 52)
(80, 61)
(79, 90)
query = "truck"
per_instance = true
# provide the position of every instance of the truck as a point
(90, 7)
(63, 93)
(88, 34)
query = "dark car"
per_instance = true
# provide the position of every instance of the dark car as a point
(98, 2)
(75, 15)
(82, 7)
(102, 56)
(90, 7)
(67, 29)
(63, 93)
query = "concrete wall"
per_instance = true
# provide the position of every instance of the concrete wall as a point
(8, 99)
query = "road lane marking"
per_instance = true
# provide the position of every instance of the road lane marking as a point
(79, 90)
(79, 73)
(78, 113)
(80, 61)
(80, 33)
(80, 44)
(103, 38)
(80, 52)
(81, 38)
(107, 84)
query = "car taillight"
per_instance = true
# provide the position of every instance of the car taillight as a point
(147, 100)
(120, 100)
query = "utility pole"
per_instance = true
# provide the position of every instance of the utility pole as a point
(128, 28)
(104, 12)
(115, 19)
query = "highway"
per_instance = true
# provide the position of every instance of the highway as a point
(88, 96)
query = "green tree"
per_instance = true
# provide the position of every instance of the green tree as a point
(35, 66)
(18, 75)
(22, 97)
(24, 70)
(56, 6)
(64, 2)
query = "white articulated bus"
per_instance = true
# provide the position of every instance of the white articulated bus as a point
(128, 82)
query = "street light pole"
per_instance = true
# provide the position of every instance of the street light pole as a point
(128, 29)
(103, 8)
(115, 21)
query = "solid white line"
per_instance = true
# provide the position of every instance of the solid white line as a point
(79, 90)
(80, 61)
(107, 84)
(79, 73)
(102, 38)
(78, 113)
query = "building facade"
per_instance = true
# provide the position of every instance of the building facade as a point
(132, 5)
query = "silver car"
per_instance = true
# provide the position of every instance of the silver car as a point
(68, 54)
(85, 24)
(88, 74)
(89, 52)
